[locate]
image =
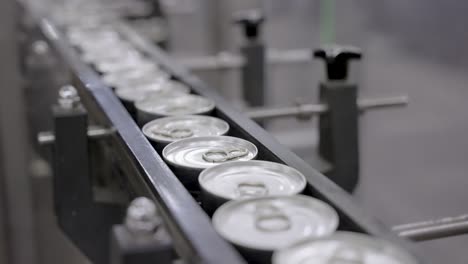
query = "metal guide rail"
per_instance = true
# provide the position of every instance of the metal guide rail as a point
(193, 236)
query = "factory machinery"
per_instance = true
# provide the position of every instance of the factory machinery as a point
(104, 165)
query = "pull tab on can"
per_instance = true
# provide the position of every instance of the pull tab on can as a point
(222, 155)
(269, 218)
(175, 133)
(251, 189)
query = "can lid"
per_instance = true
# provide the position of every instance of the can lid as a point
(183, 105)
(93, 54)
(255, 178)
(143, 72)
(170, 129)
(274, 222)
(162, 89)
(203, 152)
(120, 64)
(345, 248)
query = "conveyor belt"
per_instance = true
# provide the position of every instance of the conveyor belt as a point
(194, 237)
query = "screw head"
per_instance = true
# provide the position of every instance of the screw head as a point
(142, 217)
(68, 96)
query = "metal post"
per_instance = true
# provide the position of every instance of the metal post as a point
(434, 229)
(17, 232)
(84, 221)
(338, 128)
(253, 71)
(142, 239)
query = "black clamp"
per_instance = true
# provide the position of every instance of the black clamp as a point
(338, 127)
(337, 60)
(251, 21)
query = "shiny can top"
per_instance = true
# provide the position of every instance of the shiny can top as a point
(203, 152)
(255, 178)
(170, 129)
(133, 61)
(343, 248)
(162, 89)
(142, 74)
(274, 222)
(184, 105)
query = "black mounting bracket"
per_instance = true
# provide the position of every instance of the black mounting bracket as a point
(126, 248)
(338, 127)
(87, 223)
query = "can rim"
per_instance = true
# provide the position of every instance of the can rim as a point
(333, 222)
(281, 255)
(251, 163)
(148, 125)
(121, 92)
(210, 105)
(170, 146)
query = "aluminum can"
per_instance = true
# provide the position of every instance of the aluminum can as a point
(247, 179)
(166, 130)
(344, 247)
(155, 107)
(144, 73)
(188, 157)
(160, 89)
(260, 226)
(118, 64)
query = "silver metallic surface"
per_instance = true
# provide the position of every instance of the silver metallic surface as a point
(271, 223)
(153, 107)
(227, 60)
(141, 74)
(434, 229)
(247, 179)
(169, 129)
(68, 96)
(343, 247)
(162, 88)
(309, 110)
(203, 152)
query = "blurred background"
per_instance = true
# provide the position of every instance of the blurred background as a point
(413, 159)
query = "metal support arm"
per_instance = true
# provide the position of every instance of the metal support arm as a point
(434, 229)
(306, 111)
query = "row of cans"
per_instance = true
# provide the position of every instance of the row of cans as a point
(255, 205)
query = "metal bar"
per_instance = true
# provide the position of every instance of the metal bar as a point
(434, 229)
(309, 110)
(352, 217)
(48, 137)
(227, 60)
(195, 239)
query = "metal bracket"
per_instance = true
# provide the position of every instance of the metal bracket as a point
(338, 133)
(434, 229)
(84, 221)
(142, 239)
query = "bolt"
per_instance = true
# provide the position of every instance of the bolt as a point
(68, 97)
(142, 217)
(40, 47)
